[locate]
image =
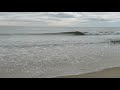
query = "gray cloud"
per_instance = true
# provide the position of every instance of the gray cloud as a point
(99, 20)
(61, 15)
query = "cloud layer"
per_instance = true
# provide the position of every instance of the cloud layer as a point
(68, 19)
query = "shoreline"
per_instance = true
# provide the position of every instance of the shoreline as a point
(105, 73)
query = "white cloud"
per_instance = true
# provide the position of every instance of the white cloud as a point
(58, 18)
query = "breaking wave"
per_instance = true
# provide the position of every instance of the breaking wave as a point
(67, 33)
(59, 33)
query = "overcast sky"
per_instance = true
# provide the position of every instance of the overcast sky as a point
(65, 19)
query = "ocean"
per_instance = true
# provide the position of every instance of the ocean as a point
(46, 52)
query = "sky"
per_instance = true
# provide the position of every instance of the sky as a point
(60, 19)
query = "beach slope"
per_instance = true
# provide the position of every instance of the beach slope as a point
(107, 73)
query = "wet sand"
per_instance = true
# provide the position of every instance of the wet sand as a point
(107, 73)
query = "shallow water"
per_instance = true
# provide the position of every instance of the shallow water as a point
(55, 55)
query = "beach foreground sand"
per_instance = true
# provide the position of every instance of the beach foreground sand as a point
(107, 73)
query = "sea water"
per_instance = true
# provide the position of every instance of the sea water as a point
(27, 52)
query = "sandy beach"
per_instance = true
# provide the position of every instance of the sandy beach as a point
(107, 73)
